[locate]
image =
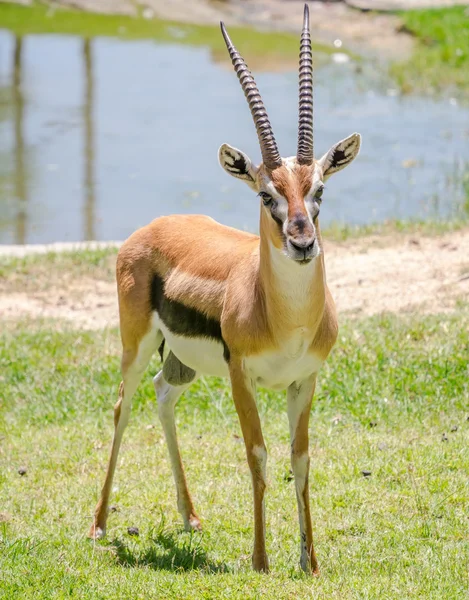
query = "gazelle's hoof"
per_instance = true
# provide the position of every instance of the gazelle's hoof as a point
(193, 523)
(310, 567)
(260, 563)
(96, 533)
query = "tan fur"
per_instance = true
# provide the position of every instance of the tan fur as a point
(253, 439)
(227, 275)
(264, 299)
(294, 186)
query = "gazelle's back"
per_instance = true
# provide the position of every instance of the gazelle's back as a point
(188, 256)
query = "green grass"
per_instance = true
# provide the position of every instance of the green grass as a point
(391, 388)
(35, 271)
(42, 19)
(100, 263)
(394, 227)
(440, 63)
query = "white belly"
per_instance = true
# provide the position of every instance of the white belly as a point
(275, 369)
(204, 355)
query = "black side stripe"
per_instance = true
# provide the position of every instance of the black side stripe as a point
(184, 320)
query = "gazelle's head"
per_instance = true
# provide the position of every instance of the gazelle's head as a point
(290, 188)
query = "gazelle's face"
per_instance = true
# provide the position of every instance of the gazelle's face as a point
(291, 194)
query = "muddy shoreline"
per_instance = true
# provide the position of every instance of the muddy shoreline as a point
(375, 34)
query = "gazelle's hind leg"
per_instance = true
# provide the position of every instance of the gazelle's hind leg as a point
(135, 360)
(170, 383)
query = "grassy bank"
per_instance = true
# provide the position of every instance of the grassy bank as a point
(393, 400)
(101, 261)
(440, 62)
(396, 227)
(41, 19)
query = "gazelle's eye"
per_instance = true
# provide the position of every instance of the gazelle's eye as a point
(266, 198)
(318, 194)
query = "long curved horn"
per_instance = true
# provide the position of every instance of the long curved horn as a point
(269, 150)
(305, 152)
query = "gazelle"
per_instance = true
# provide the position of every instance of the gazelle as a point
(217, 301)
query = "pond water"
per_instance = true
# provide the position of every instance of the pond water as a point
(99, 137)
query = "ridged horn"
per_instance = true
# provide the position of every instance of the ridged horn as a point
(305, 153)
(269, 150)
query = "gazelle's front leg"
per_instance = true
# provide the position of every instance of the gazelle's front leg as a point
(244, 399)
(299, 397)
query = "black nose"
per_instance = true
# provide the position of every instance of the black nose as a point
(305, 246)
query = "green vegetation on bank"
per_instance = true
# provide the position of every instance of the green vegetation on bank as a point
(42, 19)
(37, 269)
(339, 232)
(440, 61)
(392, 399)
(102, 261)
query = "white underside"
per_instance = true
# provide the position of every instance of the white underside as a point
(275, 370)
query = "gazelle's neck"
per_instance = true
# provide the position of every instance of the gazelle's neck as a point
(294, 293)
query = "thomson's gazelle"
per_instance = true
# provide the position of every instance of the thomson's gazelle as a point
(217, 301)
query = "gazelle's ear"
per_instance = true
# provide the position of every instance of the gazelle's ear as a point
(340, 155)
(237, 164)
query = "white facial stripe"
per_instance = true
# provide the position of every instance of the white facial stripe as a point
(310, 201)
(282, 209)
(311, 208)
(282, 205)
(317, 181)
(290, 163)
(269, 187)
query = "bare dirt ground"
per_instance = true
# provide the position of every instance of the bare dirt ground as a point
(367, 276)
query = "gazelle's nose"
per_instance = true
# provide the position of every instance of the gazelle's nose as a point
(303, 245)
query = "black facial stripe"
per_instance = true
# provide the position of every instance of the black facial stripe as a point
(277, 219)
(183, 320)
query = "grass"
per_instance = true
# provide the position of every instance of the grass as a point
(394, 227)
(440, 62)
(35, 271)
(42, 19)
(102, 261)
(392, 387)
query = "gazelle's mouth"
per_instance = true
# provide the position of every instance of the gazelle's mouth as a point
(304, 261)
(300, 253)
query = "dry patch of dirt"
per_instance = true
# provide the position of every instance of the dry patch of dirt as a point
(366, 276)
(84, 304)
(424, 274)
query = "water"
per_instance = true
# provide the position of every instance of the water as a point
(99, 137)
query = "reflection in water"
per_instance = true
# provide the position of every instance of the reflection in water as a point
(89, 205)
(118, 133)
(19, 153)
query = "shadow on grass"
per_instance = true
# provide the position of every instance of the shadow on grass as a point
(164, 552)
